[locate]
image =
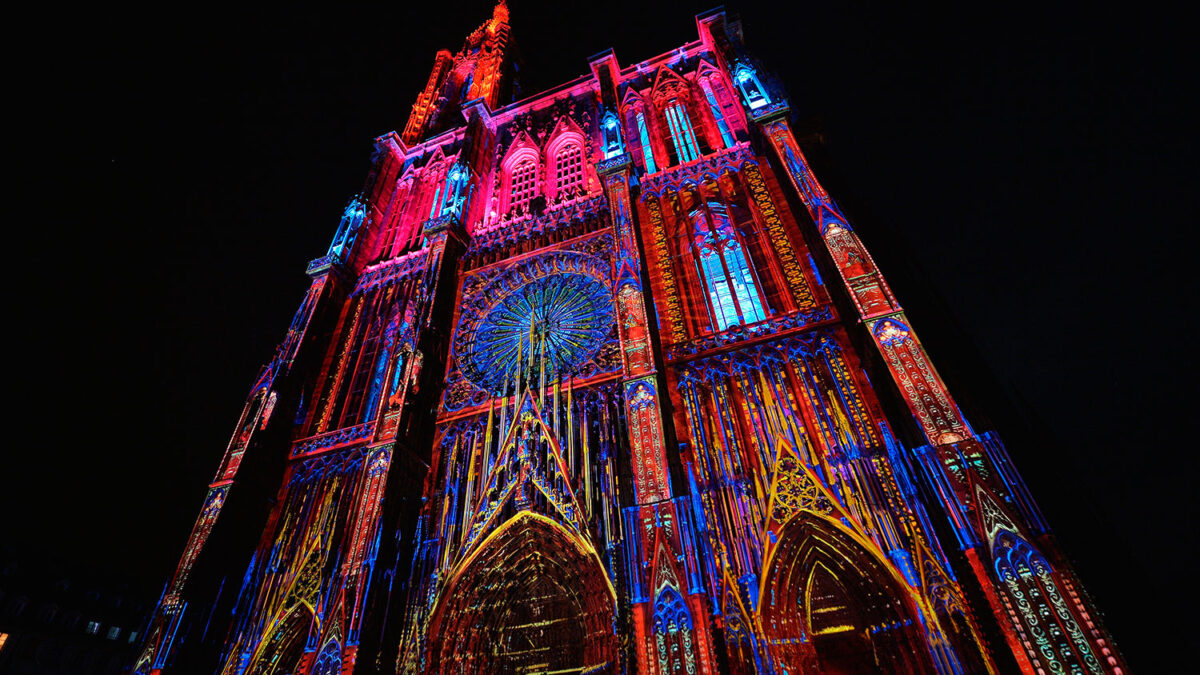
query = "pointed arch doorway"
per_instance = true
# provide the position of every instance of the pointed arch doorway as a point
(532, 598)
(832, 606)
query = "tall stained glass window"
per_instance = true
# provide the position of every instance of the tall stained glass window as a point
(647, 151)
(722, 125)
(681, 132)
(728, 277)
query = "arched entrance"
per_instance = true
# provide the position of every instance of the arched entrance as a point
(280, 652)
(831, 605)
(532, 598)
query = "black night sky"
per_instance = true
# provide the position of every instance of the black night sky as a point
(1023, 177)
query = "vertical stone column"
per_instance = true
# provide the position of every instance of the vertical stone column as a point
(659, 533)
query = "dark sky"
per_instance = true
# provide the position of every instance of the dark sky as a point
(1023, 176)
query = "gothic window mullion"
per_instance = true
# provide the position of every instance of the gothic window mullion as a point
(364, 348)
(719, 246)
(716, 322)
(754, 284)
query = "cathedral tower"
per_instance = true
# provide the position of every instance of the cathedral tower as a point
(603, 381)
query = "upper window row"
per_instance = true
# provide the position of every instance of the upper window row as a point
(684, 123)
(566, 178)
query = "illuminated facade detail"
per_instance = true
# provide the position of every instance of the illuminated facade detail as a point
(753, 93)
(732, 289)
(683, 137)
(524, 185)
(647, 149)
(718, 116)
(569, 392)
(568, 167)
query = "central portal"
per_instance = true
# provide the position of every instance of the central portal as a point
(533, 598)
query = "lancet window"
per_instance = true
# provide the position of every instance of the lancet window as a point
(568, 169)
(647, 150)
(673, 633)
(718, 116)
(439, 197)
(682, 135)
(524, 185)
(728, 277)
(352, 392)
(396, 233)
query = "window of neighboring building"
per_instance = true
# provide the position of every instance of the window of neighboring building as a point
(70, 620)
(3, 639)
(133, 635)
(17, 606)
(93, 627)
(568, 169)
(114, 633)
(47, 613)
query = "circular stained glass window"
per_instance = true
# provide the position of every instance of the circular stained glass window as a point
(560, 308)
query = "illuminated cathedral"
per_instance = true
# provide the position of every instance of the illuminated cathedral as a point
(602, 380)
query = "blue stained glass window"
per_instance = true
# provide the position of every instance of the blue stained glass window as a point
(681, 132)
(718, 290)
(716, 111)
(728, 278)
(647, 152)
(743, 283)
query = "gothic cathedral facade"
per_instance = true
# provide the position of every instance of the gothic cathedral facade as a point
(603, 381)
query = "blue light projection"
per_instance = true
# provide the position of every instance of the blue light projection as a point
(563, 306)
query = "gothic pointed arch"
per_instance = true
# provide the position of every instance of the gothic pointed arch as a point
(668, 84)
(329, 659)
(705, 67)
(520, 176)
(741, 632)
(632, 98)
(673, 628)
(534, 596)
(568, 166)
(283, 647)
(830, 602)
(1037, 607)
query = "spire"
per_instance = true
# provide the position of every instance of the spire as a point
(482, 69)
